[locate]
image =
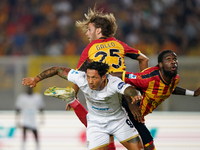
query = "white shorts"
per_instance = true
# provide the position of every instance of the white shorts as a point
(99, 129)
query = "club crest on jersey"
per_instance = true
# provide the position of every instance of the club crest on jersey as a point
(132, 76)
(120, 85)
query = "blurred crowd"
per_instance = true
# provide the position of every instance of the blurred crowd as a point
(47, 27)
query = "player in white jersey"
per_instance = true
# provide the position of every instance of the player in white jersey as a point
(28, 104)
(103, 96)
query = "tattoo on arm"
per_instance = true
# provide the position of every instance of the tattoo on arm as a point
(47, 73)
(130, 91)
(63, 72)
(60, 71)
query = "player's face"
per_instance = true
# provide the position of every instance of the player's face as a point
(91, 32)
(170, 64)
(94, 79)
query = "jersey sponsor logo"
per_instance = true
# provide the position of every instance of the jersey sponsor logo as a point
(74, 72)
(132, 76)
(100, 108)
(120, 85)
(107, 45)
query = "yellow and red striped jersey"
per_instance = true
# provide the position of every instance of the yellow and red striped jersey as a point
(155, 89)
(110, 51)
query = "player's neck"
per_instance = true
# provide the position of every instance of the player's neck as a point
(102, 85)
(165, 77)
(103, 37)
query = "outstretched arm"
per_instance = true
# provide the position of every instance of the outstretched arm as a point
(182, 91)
(60, 71)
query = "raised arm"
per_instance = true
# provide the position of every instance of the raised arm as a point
(182, 91)
(143, 61)
(60, 71)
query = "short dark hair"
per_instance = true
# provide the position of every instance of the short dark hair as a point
(102, 68)
(161, 55)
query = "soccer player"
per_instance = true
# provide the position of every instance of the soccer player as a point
(103, 47)
(156, 84)
(100, 29)
(28, 104)
(103, 97)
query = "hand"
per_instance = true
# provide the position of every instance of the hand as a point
(135, 110)
(197, 92)
(136, 99)
(29, 81)
(68, 107)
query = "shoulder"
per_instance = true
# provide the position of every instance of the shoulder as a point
(115, 82)
(177, 77)
(75, 75)
(148, 70)
(113, 78)
(151, 68)
(116, 40)
(76, 72)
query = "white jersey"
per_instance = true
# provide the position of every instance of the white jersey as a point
(106, 102)
(105, 114)
(29, 106)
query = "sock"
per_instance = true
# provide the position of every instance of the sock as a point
(80, 111)
(111, 146)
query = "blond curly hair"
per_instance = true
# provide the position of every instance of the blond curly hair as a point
(105, 21)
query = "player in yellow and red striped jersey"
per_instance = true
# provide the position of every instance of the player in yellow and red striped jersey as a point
(156, 85)
(108, 50)
(153, 86)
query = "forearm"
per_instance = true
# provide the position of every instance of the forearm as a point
(60, 71)
(128, 99)
(143, 61)
(76, 89)
(182, 91)
(130, 91)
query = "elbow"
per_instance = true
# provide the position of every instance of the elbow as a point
(145, 60)
(54, 70)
